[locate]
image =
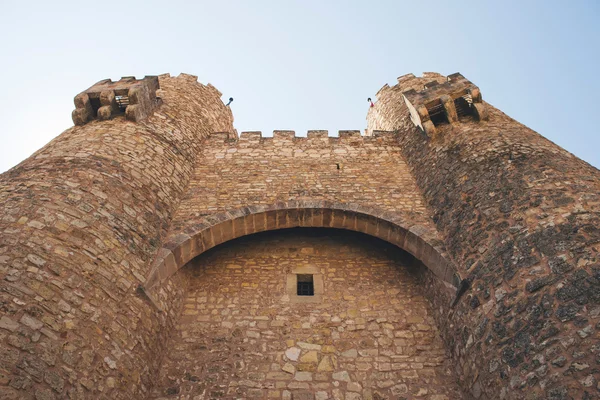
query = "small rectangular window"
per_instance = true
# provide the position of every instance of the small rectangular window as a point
(305, 285)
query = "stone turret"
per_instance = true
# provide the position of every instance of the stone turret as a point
(520, 218)
(100, 230)
(131, 97)
(82, 219)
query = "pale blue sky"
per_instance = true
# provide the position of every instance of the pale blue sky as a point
(303, 65)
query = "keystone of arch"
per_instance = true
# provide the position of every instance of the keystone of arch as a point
(418, 240)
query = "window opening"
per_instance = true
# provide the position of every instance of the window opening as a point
(437, 114)
(305, 285)
(463, 105)
(122, 102)
(95, 103)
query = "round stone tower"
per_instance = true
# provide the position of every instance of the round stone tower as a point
(520, 218)
(82, 218)
(103, 297)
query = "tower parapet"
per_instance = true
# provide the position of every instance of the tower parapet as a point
(283, 137)
(96, 224)
(445, 102)
(520, 218)
(87, 214)
(134, 98)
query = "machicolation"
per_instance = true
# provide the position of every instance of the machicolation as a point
(151, 252)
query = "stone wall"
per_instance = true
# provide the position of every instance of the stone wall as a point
(96, 224)
(371, 336)
(262, 171)
(81, 221)
(521, 219)
(252, 183)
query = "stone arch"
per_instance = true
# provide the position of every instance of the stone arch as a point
(218, 228)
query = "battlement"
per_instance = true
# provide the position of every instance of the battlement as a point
(188, 78)
(134, 98)
(410, 81)
(434, 99)
(438, 102)
(102, 229)
(286, 137)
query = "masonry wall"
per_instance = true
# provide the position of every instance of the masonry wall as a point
(520, 217)
(252, 183)
(81, 221)
(242, 335)
(86, 220)
(253, 170)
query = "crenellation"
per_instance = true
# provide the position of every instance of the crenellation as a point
(317, 134)
(405, 77)
(448, 102)
(289, 138)
(492, 189)
(410, 81)
(383, 90)
(187, 77)
(348, 134)
(136, 99)
(436, 75)
(252, 136)
(122, 276)
(283, 137)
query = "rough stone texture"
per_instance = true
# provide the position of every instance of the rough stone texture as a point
(256, 171)
(373, 336)
(133, 98)
(250, 184)
(520, 218)
(96, 226)
(81, 220)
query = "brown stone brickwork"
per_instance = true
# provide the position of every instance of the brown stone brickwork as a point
(521, 219)
(249, 176)
(81, 220)
(255, 170)
(97, 226)
(372, 335)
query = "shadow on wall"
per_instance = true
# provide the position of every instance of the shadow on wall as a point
(375, 245)
(219, 228)
(244, 330)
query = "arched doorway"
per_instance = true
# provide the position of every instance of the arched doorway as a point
(420, 241)
(367, 332)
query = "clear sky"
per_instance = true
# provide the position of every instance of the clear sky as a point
(303, 65)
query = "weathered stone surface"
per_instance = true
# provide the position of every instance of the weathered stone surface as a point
(31, 322)
(520, 217)
(303, 376)
(309, 353)
(8, 324)
(293, 353)
(326, 365)
(81, 221)
(341, 376)
(97, 225)
(288, 368)
(310, 357)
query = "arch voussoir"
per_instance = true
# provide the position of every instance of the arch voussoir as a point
(418, 240)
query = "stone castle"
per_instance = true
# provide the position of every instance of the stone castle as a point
(149, 252)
